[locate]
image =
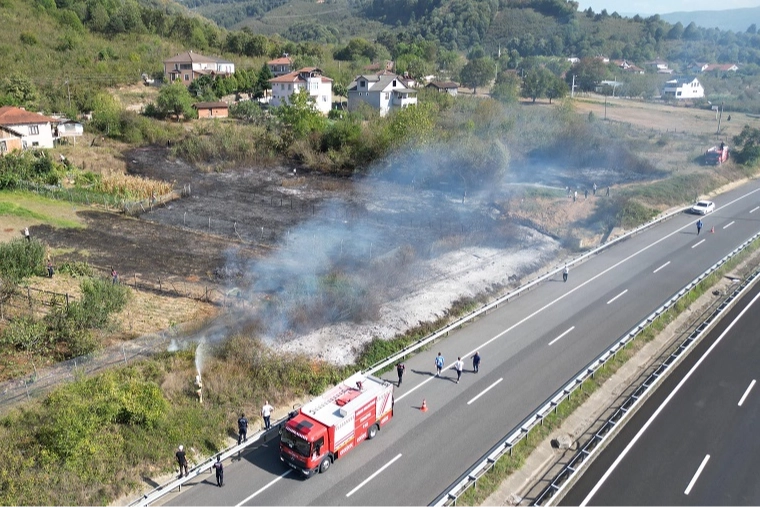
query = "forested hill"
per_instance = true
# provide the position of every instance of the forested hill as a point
(737, 20)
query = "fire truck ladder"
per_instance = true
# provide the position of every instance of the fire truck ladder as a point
(332, 398)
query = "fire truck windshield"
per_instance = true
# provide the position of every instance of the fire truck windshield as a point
(296, 443)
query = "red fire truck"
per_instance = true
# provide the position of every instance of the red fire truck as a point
(332, 424)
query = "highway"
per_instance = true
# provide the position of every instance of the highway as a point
(530, 347)
(694, 442)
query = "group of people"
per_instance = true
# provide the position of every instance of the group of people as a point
(218, 466)
(440, 362)
(574, 193)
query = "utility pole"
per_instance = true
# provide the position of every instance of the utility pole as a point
(720, 117)
(572, 88)
(69, 92)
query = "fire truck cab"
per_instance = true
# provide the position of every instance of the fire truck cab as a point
(335, 422)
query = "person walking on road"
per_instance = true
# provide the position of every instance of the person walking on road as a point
(439, 362)
(182, 461)
(219, 469)
(699, 226)
(400, 367)
(266, 413)
(459, 366)
(476, 362)
(565, 273)
(242, 429)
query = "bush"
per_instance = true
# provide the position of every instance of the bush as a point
(20, 259)
(77, 269)
(100, 298)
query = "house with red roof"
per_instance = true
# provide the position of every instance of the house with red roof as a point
(189, 66)
(22, 129)
(281, 66)
(307, 78)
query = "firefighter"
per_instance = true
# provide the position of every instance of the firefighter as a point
(400, 367)
(219, 469)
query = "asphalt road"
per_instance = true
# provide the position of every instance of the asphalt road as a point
(694, 442)
(530, 348)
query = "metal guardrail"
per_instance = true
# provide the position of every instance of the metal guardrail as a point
(205, 466)
(585, 455)
(505, 445)
(167, 488)
(422, 342)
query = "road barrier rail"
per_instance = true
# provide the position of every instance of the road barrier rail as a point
(205, 466)
(506, 444)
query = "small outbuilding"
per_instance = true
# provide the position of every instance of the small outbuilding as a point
(449, 87)
(212, 109)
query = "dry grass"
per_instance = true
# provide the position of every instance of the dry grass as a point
(126, 185)
(147, 312)
(106, 156)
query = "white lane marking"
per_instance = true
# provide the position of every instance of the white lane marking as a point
(560, 336)
(613, 299)
(656, 270)
(264, 488)
(754, 209)
(568, 293)
(372, 476)
(484, 391)
(697, 244)
(696, 475)
(663, 405)
(728, 225)
(746, 393)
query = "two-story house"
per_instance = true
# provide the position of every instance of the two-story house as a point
(683, 88)
(383, 92)
(30, 130)
(307, 78)
(189, 66)
(281, 66)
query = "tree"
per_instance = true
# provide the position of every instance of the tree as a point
(749, 141)
(20, 91)
(300, 115)
(556, 89)
(175, 99)
(477, 72)
(676, 32)
(587, 72)
(752, 30)
(536, 83)
(507, 87)
(262, 81)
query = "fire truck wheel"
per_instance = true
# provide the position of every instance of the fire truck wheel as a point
(325, 465)
(372, 432)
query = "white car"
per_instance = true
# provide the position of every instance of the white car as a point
(703, 207)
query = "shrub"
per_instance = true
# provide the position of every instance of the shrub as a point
(20, 259)
(100, 298)
(76, 269)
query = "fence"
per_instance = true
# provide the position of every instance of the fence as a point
(40, 382)
(505, 446)
(32, 299)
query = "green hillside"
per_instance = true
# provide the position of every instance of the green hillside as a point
(59, 54)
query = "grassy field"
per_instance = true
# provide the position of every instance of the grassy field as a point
(24, 209)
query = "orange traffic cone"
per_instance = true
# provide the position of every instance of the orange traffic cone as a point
(712, 230)
(423, 408)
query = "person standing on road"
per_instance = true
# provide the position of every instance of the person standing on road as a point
(266, 413)
(219, 469)
(400, 367)
(459, 366)
(476, 362)
(565, 273)
(242, 429)
(182, 461)
(699, 226)
(439, 362)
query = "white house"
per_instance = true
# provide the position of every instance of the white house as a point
(683, 88)
(35, 130)
(381, 91)
(189, 66)
(309, 79)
